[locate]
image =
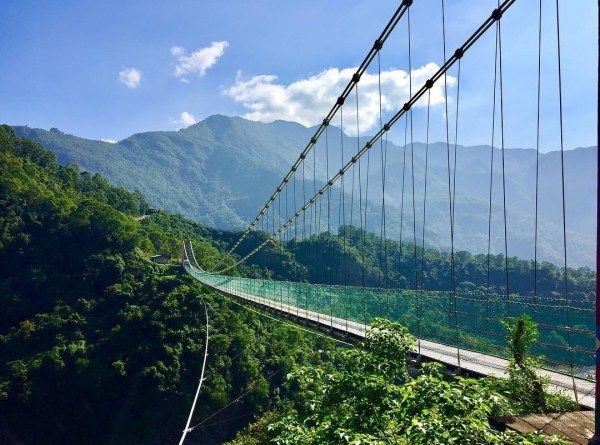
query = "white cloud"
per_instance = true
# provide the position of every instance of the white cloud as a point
(185, 120)
(110, 141)
(307, 101)
(177, 50)
(197, 62)
(130, 77)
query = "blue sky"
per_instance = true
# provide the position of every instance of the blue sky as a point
(113, 68)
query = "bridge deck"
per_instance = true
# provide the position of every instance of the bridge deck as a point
(467, 360)
(577, 426)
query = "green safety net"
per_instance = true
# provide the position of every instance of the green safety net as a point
(465, 319)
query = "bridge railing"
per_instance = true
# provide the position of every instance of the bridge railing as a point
(470, 320)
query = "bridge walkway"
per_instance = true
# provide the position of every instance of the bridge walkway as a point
(476, 363)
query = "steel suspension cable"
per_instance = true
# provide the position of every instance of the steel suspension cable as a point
(303, 199)
(489, 243)
(450, 202)
(455, 149)
(537, 156)
(564, 204)
(314, 207)
(342, 204)
(401, 245)
(189, 419)
(412, 161)
(294, 204)
(366, 225)
(344, 228)
(273, 220)
(286, 212)
(280, 235)
(328, 211)
(287, 232)
(352, 196)
(360, 212)
(320, 214)
(447, 139)
(424, 216)
(360, 209)
(252, 387)
(234, 401)
(354, 166)
(374, 50)
(382, 242)
(360, 198)
(502, 151)
(456, 322)
(493, 18)
(418, 295)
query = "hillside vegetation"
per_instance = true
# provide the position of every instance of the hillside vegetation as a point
(356, 257)
(97, 344)
(220, 171)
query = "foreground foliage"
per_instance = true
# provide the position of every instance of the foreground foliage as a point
(370, 396)
(525, 390)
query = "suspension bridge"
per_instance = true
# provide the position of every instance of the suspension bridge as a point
(458, 327)
(304, 303)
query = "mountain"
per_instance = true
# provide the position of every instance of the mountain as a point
(214, 172)
(221, 170)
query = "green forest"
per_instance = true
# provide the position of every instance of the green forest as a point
(359, 258)
(100, 345)
(97, 343)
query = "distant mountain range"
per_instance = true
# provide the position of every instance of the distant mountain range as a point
(221, 170)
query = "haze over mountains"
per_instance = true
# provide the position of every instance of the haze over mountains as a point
(221, 170)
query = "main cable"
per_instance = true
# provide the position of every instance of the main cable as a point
(374, 50)
(493, 18)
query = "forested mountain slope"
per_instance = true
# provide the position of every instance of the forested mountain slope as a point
(99, 345)
(221, 170)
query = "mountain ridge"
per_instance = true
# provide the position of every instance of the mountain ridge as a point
(221, 170)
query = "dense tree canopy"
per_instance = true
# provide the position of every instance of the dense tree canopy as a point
(99, 345)
(355, 257)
